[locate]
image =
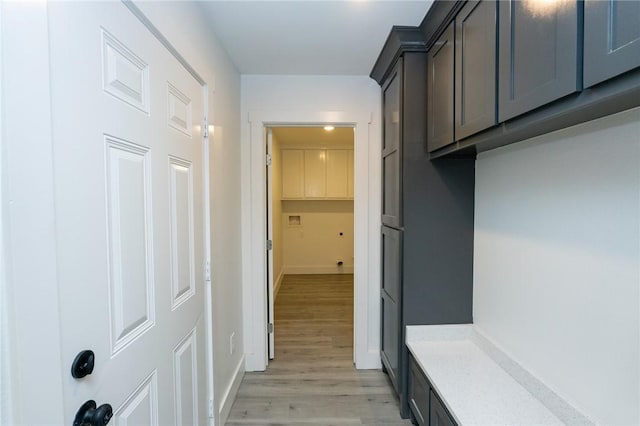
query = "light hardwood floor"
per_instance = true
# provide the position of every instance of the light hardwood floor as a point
(312, 380)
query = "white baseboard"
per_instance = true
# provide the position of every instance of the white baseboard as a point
(324, 269)
(278, 283)
(230, 393)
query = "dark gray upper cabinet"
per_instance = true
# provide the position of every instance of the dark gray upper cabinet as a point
(461, 79)
(440, 69)
(611, 39)
(538, 54)
(475, 80)
(392, 150)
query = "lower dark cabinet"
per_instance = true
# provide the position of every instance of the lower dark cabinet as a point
(389, 351)
(418, 395)
(439, 415)
(426, 407)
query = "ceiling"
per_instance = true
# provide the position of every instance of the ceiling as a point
(309, 137)
(309, 37)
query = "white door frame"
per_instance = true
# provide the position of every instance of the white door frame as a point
(366, 243)
(28, 207)
(28, 204)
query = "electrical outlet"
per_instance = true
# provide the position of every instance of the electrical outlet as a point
(232, 343)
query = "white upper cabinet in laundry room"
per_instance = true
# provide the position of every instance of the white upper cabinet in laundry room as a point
(317, 174)
(293, 173)
(337, 173)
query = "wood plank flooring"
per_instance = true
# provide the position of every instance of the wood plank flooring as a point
(312, 380)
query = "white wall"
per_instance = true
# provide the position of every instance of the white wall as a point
(315, 245)
(185, 26)
(557, 261)
(326, 97)
(6, 379)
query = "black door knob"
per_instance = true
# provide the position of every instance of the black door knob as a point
(83, 364)
(89, 415)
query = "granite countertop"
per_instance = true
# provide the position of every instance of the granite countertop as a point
(475, 389)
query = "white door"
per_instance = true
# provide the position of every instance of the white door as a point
(128, 180)
(270, 218)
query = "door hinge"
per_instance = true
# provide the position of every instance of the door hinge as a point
(210, 408)
(207, 271)
(269, 159)
(205, 127)
(269, 244)
(270, 328)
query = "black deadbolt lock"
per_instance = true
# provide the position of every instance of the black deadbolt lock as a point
(89, 415)
(83, 364)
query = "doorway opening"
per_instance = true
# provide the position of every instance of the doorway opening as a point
(310, 226)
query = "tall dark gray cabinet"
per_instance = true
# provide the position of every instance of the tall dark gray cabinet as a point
(427, 212)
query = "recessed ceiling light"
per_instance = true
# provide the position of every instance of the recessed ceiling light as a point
(329, 128)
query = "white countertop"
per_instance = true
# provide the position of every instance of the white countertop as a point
(473, 387)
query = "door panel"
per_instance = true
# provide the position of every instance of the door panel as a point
(538, 54)
(440, 83)
(337, 173)
(129, 216)
(292, 173)
(132, 310)
(611, 39)
(141, 408)
(475, 68)
(390, 338)
(392, 149)
(182, 250)
(186, 380)
(315, 183)
(391, 262)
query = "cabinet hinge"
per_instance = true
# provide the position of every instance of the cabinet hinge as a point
(207, 271)
(205, 127)
(211, 408)
(270, 328)
(269, 159)
(269, 244)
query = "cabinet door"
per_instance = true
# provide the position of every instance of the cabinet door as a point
(538, 54)
(440, 81)
(475, 50)
(390, 338)
(292, 173)
(350, 171)
(315, 173)
(391, 266)
(418, 393)
(439, 415)
(391, 301)
(611, 39)
(337, 173)
(392, 149)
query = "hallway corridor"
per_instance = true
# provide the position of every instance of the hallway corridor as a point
(312, 380)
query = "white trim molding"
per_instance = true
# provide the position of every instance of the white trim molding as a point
(366, 228)
(229, 396)
(317, 269)
(29, 216)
